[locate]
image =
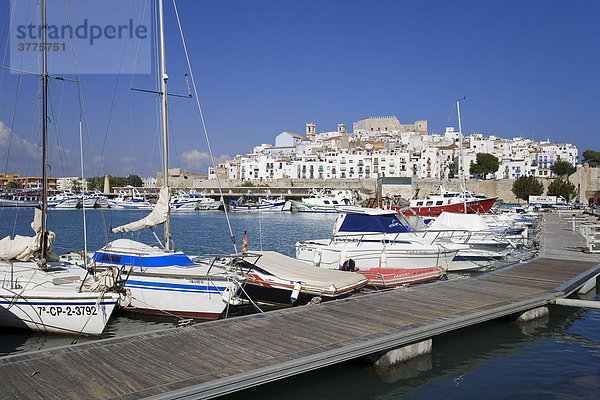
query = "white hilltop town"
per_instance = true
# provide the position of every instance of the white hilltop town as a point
(380, 147)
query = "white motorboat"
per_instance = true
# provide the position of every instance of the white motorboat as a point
(184, 202)
(65, 199)
(320, 202)
(130, 200)
(205, 202)
(266, 203)
(20, 198)
(376, 244)
(486, 244)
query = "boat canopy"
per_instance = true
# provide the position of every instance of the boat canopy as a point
(293, 270)
(22, 248)
(371, 223)
(458, 221)
(158, 216)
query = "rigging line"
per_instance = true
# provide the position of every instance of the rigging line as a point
(4, 30)
(212, 158)
(60, 145)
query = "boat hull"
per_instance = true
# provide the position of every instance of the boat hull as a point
(81, 313)
(191, 297)
(382, 278)
(480, 206)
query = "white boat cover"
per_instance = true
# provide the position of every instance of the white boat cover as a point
(22, 248)
(458, 221)
(290, 269)
(158, 216)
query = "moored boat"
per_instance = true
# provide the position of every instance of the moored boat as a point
(276, 279)
(378, 245)
(447, 201)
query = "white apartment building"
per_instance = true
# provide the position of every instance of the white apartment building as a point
(382, 147)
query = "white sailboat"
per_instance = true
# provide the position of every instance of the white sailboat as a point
(41, 294)
(161, 280)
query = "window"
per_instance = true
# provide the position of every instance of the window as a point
(326, 201)
(419, 203)
(429, 203)
(439, 203)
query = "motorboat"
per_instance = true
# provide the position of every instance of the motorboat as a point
(20, 198)
(448, 201)
(65, 199)
(184, 202)
(375, 243)
(249, 203)
(486, 243)
(321, 202)
(276, 279)
(130, 200)
(205, 202)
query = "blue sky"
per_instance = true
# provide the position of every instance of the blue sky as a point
(527, 68)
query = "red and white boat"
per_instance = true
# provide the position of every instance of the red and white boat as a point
(454, 202)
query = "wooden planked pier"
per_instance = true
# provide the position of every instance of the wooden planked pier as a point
(210, 359)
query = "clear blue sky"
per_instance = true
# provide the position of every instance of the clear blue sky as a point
(528, 68)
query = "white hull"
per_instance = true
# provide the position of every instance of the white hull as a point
(184, 205)
(209, 205)
(130, 205)
(50, 301)
(66, 203)
(368, 255)
(169, 283)
(191, 296)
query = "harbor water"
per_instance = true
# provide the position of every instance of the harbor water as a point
(557, 357)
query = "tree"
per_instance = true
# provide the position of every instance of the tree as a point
(452, 170)
(562, 168)
(75, 186)
(14, 185)
(562, 188)
(134, 180)
(591, 157)
(96, 182)
(486, 164)
(526, 186)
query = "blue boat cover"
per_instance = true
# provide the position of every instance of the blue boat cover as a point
(372, 223)
(142, 261)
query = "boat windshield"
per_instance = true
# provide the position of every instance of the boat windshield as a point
(372, 223)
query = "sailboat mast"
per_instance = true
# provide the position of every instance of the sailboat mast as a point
(44, 243)
(462, 159)
(164, 77)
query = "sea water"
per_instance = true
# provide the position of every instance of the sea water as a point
(557, 357)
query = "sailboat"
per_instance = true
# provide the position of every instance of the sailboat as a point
(159, 279)
(36, 291)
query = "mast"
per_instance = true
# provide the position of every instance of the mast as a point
(44, 137)
(165, 138)
(462, 159)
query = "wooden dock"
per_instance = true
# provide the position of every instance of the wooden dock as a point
(219, 357)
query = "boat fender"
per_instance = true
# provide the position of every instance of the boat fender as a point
(383, 260)
(343, 257)
(295, 292)
(349, 265)
(316, 257)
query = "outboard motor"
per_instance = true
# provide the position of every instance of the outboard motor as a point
(349, 265)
